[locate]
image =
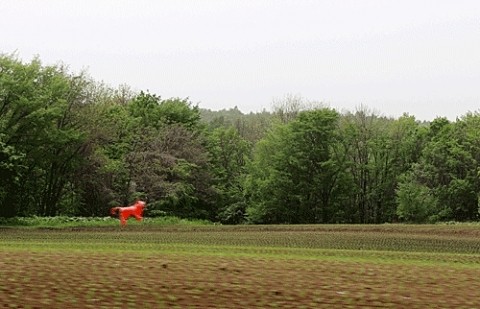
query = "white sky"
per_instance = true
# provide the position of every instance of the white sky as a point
(420, 57)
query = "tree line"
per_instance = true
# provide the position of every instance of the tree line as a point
(72, 146)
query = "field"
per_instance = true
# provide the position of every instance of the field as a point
(147, 266)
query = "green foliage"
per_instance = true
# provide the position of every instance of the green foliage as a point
(295, 171)
(154, 112)
(92, 222)
(10, 169)
(179, 111)
(228, 154)
(38, 123)
(252, 127)
(448, 169)
(378, 151)
(265, 185)
(71, 146)
(415, 202)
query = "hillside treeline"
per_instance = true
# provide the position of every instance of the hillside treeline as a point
(72, 146)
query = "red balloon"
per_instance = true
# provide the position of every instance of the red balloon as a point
(136, 210)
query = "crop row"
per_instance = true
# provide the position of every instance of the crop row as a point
(455, 248)
(221, 236)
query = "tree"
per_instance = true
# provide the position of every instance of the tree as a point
(171, 169)
(266, 185)
(448, 169)
(38, 123)
(380, 150)
(155, 112)
(415, 201)
(168, 162)
(295, 173)
(104, 178)
(228, 153)
(289, 107)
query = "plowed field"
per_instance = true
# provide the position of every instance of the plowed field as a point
(241, 267)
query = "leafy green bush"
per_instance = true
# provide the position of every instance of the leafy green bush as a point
(64, 221)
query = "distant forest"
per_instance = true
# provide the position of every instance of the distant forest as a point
(72, 146)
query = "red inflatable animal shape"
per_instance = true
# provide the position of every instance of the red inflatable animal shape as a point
(124, 213)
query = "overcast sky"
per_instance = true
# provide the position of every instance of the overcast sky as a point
(420, 57)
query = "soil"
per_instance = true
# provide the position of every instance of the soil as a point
(66, 279)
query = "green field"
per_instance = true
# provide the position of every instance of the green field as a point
(193, 266)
